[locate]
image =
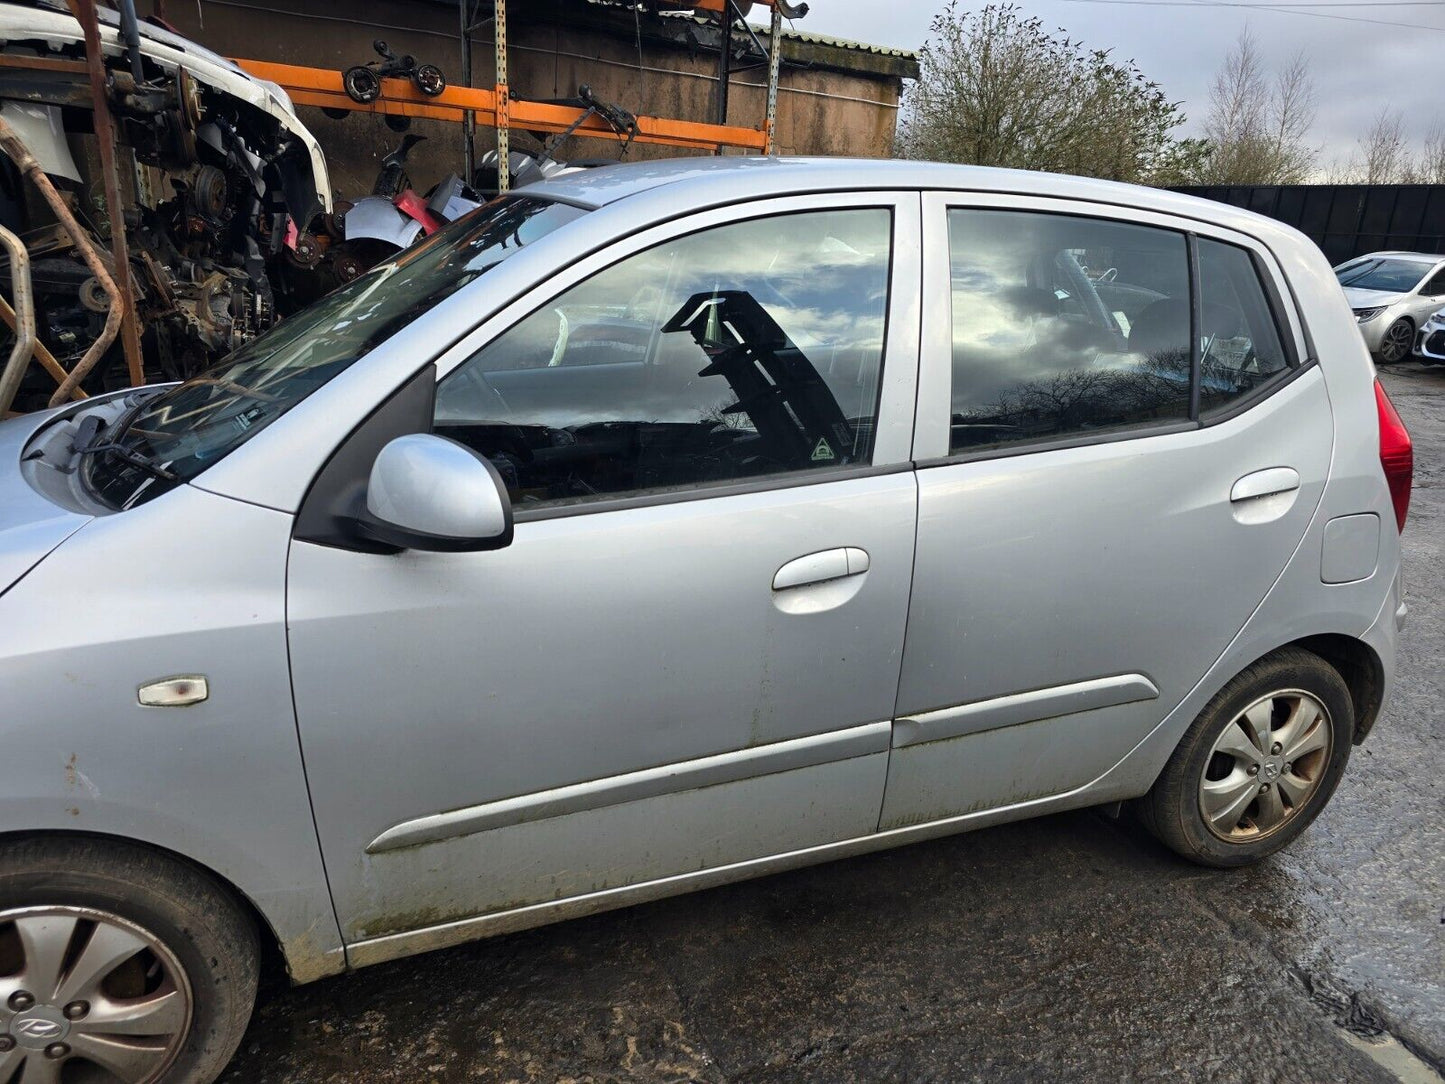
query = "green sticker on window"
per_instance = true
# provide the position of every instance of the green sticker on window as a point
(823, 453)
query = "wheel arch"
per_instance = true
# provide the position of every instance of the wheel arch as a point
(1364, 674)
(1403, 318)
(275, 960)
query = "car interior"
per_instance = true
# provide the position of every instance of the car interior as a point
(667, 370)
(1080, 332)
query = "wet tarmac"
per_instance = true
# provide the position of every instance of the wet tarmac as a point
(1067, 948)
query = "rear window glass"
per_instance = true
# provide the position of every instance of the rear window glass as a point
(1064, 325)
(1240, 346)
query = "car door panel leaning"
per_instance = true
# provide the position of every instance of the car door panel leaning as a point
(828, 507)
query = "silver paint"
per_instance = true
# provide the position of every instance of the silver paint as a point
(1025, 707)
(608, 645)
(1351, 549)
(648, 783)
(434, 486)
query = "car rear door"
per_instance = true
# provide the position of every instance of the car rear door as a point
(1120, 445)
(688, 655)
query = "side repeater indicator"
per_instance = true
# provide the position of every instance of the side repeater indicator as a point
(174, 692)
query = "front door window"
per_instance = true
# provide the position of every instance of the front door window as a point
(743, 351)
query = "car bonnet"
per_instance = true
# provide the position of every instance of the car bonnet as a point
(31, 526)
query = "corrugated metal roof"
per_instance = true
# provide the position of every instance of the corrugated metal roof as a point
(841, 43)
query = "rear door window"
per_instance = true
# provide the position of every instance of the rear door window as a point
(1064, 325)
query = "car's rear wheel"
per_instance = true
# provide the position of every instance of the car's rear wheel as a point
(1259, 763)
(1398, 341)
(118, 966)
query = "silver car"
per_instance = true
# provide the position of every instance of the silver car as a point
(1392, 294)
(664, 525)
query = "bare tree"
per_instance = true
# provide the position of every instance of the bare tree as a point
(1292, 115)
(1430, 166)
(1238, 109)
(1384, 157)
(1257, 129)
(995, 88)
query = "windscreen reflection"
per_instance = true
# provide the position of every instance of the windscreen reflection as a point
(750, 349)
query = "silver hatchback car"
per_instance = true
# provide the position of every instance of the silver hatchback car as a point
(1392, 295)
(666, 525)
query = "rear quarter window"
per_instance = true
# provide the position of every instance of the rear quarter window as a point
(1240, 345)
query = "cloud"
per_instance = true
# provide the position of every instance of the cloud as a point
(1359, 67)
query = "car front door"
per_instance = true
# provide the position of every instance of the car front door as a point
(1428, 298)
(688, 655)
(1104, 495)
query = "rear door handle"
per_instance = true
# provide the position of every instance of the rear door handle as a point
(820, 567)
(1265, 483)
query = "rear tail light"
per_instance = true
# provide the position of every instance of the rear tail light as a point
(1397, 455)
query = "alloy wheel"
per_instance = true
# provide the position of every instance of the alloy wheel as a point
(81, 987)
(1265, 766)
(1397, 343)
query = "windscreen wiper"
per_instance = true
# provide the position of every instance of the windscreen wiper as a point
(1357, 273)
(132, 458)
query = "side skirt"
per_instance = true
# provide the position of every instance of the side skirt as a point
(394, 946)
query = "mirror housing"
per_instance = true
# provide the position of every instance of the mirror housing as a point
(430, 493)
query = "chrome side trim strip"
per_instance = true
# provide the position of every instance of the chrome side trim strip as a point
(378, 950)
(649, 783)
(1027, 707)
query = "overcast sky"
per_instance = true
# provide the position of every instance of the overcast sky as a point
(1359, 66)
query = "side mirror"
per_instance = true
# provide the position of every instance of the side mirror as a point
(430, 493)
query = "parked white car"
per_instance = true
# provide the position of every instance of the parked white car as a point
(1430, 340)
(1392, 295)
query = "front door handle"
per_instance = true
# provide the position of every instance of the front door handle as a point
(820, 567)
(1265, 483)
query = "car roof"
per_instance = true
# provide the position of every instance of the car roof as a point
(1417, 257)
(736, 178)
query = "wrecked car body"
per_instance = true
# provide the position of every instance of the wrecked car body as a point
(220, 181)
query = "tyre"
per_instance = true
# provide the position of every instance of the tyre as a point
(361, 84)
(1258, 765)
(118, 965)
(1398, 341)
(430, 80)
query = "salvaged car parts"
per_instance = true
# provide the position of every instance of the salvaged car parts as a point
(394, 215)
(363, 81)
(221, 181)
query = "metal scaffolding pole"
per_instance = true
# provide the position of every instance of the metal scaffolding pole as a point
(724, 63)
(775, 60)
(504, 138)
(469, 121)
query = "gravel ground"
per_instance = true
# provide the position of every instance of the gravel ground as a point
(1071, 947)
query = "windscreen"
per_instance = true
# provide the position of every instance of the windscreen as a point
(176, 435)
(1393, 276)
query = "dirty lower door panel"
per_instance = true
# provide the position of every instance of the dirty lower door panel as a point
(613, 698)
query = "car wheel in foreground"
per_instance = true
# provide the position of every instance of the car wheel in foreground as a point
(1398, 341)
(118, 966)
(1258, 764)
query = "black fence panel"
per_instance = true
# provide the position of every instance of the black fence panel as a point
(1347, 220)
